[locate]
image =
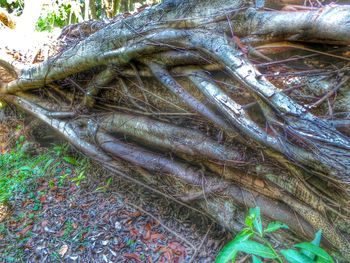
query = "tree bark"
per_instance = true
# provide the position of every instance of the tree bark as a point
(188, 98)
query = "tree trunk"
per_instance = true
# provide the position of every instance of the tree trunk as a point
(215, 104)
(93, 11)
(87, 10)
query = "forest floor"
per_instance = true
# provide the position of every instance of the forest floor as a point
(77, 212)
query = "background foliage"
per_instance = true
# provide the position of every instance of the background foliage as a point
(59, 13)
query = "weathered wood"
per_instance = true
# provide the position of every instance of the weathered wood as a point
(174, 90)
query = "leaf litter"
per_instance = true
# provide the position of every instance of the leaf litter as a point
(60, 221)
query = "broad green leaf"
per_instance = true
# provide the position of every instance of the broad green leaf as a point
(319, 252)
(256, 259)
(70, 159)
(316, 241)
(294, 256)
(255, 248)
(244, 235)
(228, 252)
(255, 213)
(274, 226)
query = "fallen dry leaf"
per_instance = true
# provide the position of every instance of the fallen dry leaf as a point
(42, 199)
(157, 236)
(60, 233)
(25, 230)
(136, 214)
(132, 256)
(168, 256)
(149, 259)
(134, 232)
(147, 236)
(4, 211)
(239, 43)
(44, 223)
(63, 250)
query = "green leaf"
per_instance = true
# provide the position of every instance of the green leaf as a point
(51, 184)
(101, 188)
(255, 213)
(36, 207)
(274, 226)
(319, 252)
(316, 241)
(228, 252)
(256, 259)
(294, 256)
(255, 248)
(249, 221)
(48, 163)
(77, 180)
(109, 181)
(21, 138)
(25, 169)
(70, 160)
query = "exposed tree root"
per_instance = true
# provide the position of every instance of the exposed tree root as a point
(167, 100)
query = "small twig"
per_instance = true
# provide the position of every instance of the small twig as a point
(140, 82)
(131, 98)
(201, 244)
(330, 93)
(301, 47)
(162, 99)
(203, 193)
(147, 113)
(76, 85)
(161, 223)
(285, 60)
(243, 259)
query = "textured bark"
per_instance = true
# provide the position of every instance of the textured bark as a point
(180, 98)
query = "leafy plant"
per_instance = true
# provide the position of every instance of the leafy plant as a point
(61, 149)
(12, 6)
(84, 166)
(78, 179)
(16, 169)
(71, 160)
(104, 188)
(306, 252)
(19, 171)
